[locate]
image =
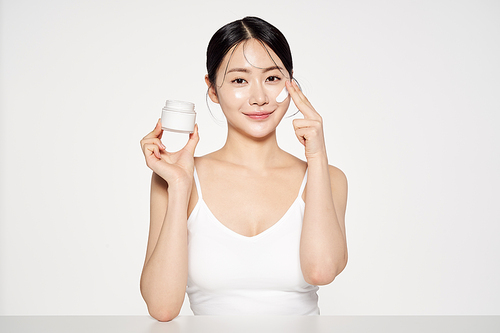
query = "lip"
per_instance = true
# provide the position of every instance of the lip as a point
(258, 115)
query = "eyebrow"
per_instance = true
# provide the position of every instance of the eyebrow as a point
(245, 70)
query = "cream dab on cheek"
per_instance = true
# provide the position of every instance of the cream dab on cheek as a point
(282, 96)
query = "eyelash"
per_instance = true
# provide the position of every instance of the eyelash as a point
(240, 80)
(275, 78)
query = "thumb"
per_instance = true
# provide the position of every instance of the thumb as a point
(158, 129)
(194, 138)
(156, 133)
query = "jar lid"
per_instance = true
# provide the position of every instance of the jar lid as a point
(179, 106)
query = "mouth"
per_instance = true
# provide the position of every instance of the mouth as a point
(258, 115)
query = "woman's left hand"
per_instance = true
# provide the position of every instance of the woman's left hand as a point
(309, 130)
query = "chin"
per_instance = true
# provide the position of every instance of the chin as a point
(257, 129)
(262, 133)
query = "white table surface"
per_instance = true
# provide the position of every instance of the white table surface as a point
(254, 324)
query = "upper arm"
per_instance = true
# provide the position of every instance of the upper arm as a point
(158, 210)
(338, 181)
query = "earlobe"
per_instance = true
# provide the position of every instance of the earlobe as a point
(212, 93)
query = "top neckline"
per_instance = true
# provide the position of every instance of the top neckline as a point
(234, 233)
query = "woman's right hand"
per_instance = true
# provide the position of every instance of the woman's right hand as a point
(175, 168)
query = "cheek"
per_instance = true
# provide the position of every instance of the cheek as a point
(240, 95)
(234, 98)
(277, 93)
(283, 107)
(282, 95)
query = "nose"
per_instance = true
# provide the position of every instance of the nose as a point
(258, 94)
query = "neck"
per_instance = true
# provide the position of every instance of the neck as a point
(256, 154)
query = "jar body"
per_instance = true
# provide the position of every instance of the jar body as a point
(178, 116)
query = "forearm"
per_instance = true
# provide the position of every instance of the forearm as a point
(164, 277)
(323, 247)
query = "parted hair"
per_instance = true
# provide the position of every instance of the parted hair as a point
(240, 30)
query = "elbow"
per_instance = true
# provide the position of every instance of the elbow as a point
(163, 315)
(321, 276)
(164, 318)
(161, 308)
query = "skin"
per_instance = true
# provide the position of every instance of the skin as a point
(248, 184)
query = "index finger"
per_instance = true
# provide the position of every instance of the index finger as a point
(301, 101)
(157, 132)
(194, 138)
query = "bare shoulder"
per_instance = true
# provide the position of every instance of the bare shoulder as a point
(207, 163)
(217, 164)
(201, 164)
(292, 162)
(203, 160)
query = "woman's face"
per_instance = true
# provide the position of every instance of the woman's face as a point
(248, 82)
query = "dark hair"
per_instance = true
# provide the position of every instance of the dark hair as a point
(240, 30)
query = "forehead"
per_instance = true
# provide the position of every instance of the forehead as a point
(251, 53)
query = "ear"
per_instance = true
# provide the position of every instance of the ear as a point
(212, 93)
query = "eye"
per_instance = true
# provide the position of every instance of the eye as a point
(238, 81)
(273, 79)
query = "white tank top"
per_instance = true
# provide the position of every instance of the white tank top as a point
(232, 274)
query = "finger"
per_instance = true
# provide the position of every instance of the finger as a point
(155, 141)
(152, 149)
(309, 133)
(157, 132)
(305, 123)
(194, 138)
(301, 101)
(301, 135)
(296, 89)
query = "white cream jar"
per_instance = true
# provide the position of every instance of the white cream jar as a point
(178, 116)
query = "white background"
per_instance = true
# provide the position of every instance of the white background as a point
(410, 96)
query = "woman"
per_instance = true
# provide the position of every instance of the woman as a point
(249, 228)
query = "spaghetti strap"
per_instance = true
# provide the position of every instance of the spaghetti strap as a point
(197, 182)
(303, 185)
